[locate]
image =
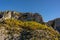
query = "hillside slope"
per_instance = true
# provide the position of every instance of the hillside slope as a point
(12, 29)
(25, 26)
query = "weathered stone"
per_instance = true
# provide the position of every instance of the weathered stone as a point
(21, 16)
(55, 24)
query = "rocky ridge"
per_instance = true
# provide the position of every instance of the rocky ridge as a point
(21, 16)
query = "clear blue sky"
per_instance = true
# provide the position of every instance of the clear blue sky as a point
(49, 9)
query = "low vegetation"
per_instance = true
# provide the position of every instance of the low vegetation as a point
(15, 26)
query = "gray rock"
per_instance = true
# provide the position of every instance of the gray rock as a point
(21, 16)
(55, 24)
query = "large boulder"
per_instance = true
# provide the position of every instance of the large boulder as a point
(31, 17)
(38, 18)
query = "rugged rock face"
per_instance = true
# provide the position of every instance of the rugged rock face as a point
(7, 15)
(21, 16)
(31, 17)
(55, 24)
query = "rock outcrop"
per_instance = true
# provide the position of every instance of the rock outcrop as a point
(21, 16)
(31, 17)
(55, 24)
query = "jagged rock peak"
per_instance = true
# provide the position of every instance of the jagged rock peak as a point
(28, 16)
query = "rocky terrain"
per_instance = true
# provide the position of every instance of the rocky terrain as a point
(27, 26)
(55, 24)
(21, 16)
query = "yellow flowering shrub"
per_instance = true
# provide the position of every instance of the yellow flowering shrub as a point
(29, 25)
(26, 24)
(15, 26)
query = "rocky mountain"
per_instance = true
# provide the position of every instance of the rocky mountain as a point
(26, 26)
(55, 24)
(21, 16)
